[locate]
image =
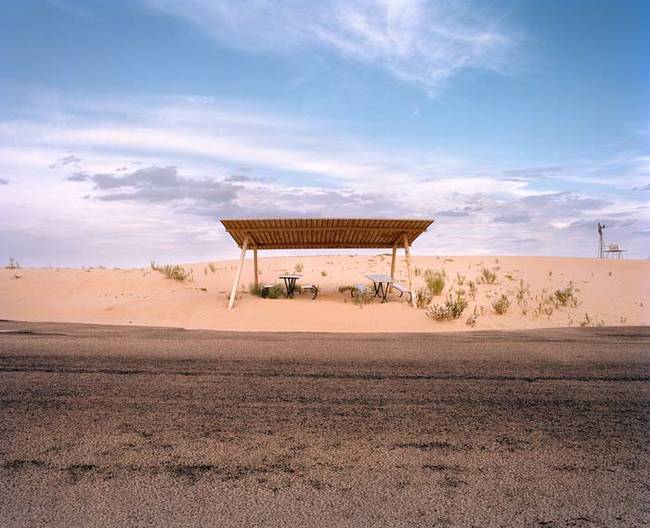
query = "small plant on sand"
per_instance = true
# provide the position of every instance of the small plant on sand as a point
(323, 273)
(212, 267)
(473, 290)
(13, 264)
(255, 289)
(452, 309)
(177, 273)
(566, 296)
(523, 293)
(423, 297)
(363, 297)
(501, 305)
(473, 318)
(298, 267)
(417, 272)
(460, 279)
(586, 321)
(275, 292)
(435, 281)
(487, 276)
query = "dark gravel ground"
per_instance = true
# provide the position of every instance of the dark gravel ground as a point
(113, 426)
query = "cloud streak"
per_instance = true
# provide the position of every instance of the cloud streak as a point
(417, 41)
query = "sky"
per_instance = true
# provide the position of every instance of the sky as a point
(128, 128)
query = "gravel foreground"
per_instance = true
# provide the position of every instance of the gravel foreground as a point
(116, 426)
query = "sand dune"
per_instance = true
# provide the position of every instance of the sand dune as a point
(608, 292)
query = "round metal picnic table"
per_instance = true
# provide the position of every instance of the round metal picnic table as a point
(290, 283)
(381, 284)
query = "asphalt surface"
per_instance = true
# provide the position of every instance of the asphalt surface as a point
(114, 426)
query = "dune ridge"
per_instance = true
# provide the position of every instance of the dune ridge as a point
(607, 292)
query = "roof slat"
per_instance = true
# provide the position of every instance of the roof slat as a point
(325, 233)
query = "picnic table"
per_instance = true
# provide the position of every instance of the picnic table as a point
(290, 283)
(381, 284)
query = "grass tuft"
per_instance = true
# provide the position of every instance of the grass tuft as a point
(501, 305)
(487, 276)
(435, 281)
(452, 309)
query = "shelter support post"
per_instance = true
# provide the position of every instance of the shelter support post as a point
(235, 284)
(392, 263)
(255, 278)
(407, 252)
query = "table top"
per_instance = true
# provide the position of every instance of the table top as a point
(379, 277)
(289, 276)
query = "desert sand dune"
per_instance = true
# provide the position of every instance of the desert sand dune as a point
(607, 292)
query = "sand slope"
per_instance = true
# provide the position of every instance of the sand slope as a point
(609, 292)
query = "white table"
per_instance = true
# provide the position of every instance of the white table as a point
(381, 284)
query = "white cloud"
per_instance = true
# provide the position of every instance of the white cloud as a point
(418, 41)
(151, 182)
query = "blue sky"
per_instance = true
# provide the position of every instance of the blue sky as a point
(128, 128)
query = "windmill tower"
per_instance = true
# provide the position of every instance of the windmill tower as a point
(601, 240)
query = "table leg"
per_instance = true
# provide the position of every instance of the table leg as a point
(291, 287)
(385, 293)
(377, 287)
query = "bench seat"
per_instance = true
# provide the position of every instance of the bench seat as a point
(311, 287)
(401, 289)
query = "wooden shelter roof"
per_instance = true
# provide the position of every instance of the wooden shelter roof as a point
(324, 233)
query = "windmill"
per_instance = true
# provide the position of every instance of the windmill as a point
(601, 241)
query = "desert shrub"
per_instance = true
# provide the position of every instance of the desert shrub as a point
(323, 273)
(522, 294)
(13, 264)
(423, 297)
(452, 309)
(435, 281)
(586, 321)
(473, 290)
(212, 267)
(460, 279)
(363, 297)
(473, 318)
(177, 272)
(417, 272)
(298, 267)
(275, 292)
(566, 296)
(501, 305)
(487, 276)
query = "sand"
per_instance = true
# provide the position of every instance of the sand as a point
(114, 426)
(609, 292)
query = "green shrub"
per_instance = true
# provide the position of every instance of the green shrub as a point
(452, 309)
(487, 276)
(275, 292)
(473, 318)
(177, 273)
(501, 305)
(435, 281)
(566, 296)
(473, 290)
(423, 297)
(363, 297)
